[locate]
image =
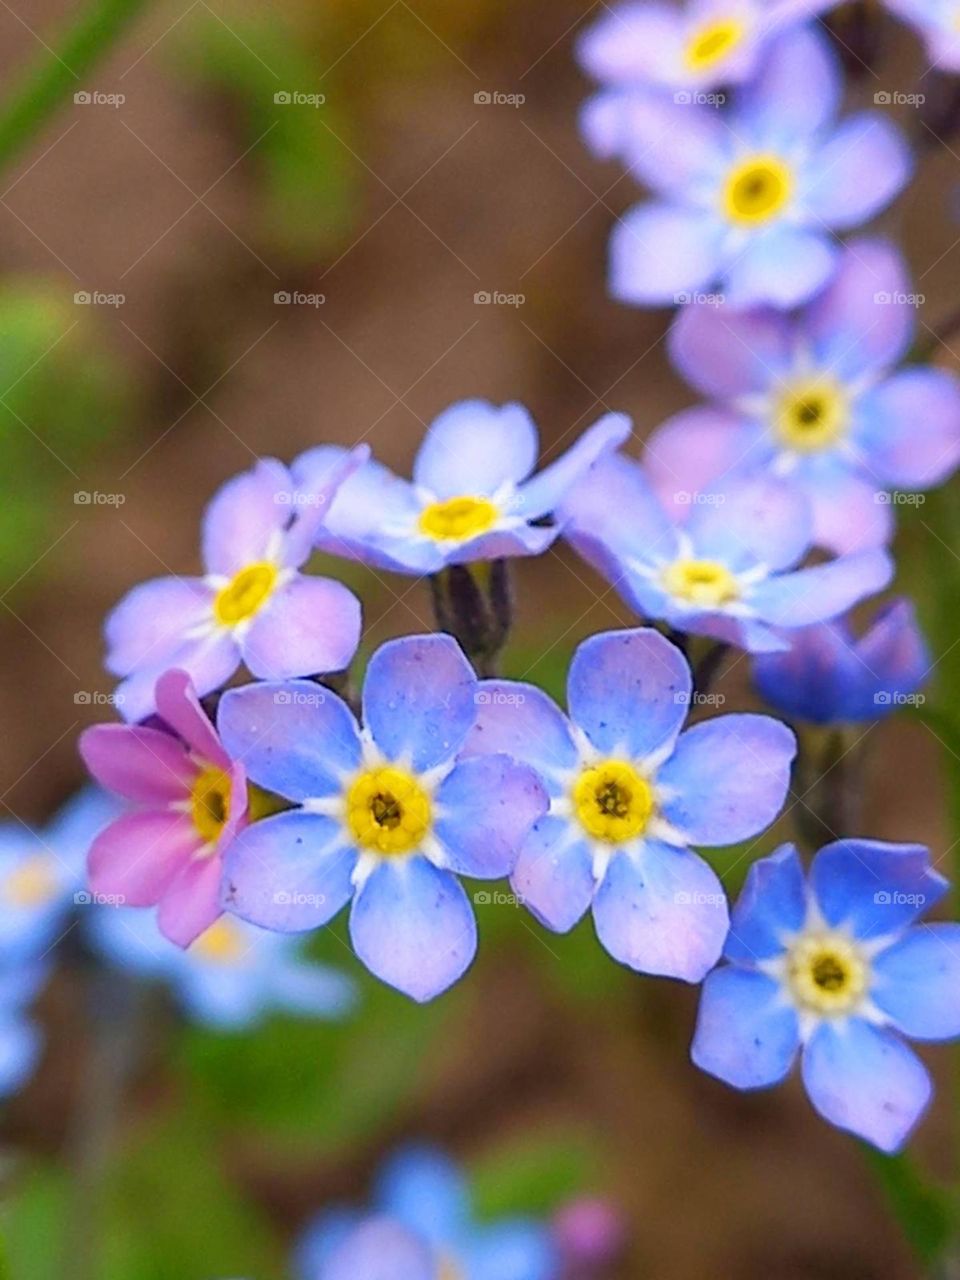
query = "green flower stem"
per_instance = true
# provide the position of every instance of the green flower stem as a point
(58, 73)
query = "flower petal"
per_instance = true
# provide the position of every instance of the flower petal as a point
(311, 625)
(245, 517)
(141, 764)
(544, 493)
(773, 903)
(858, 171)
(798, 88)
(150, 622)
(413, 927)
(725, 353)
(662, 911)
(850, 512)
(745, 1035)
(753, 520)
(824, 591)
(179, 707)
(659, 252)
(369, 501)
(294, 737)
(380, 1249)
(593, 513)
(629, 691)
(520, 720)
(474, 447)
(423, 1189)
(872, 887)
(419, 699)
(289, 872)
(866, 1081)
(783, 267)
(209, 662)
(727, 778)
(693, 456)
(191, 902)
(139, 855)
(485, 807)
(632, 43)
(512, 1249)
(888, 416)
(553, 877)
(918, 982)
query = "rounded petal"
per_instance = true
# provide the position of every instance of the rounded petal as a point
(692, 457)
(179, 707)
(751, 520)
(725, 353)
(191, 902)
(661, 252)
(21, 1043)
(824, 591)
(484, 809)
(745, 1036)
(290, 872)
(419, 699)
(593, 513)
(209, 662)
(413, 927)
(773, 902)
(866, 1081)
(294, 737)
(544, 493)
(520, 720)
(380, 1249)
(676, 149)
(897, 452)
(632, 43)
(140, 854)
(874, 888)
(798, 88)
(423, 1189)
(245, 517)
(140, 764)
(727, 778)
(370, 500)
(850, 513)
(310, 626)
(474, 447)
(857, 173)
(512, 1249)
(917, 982)
(662, 911)
(149, 624)
(629, 691)
(783, 267)
(553, 877)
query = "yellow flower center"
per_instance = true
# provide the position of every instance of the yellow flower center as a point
(210, 803)
(388, 811)
(812, 417)
(612, 801)
(456, 519)
(223, 943)
(248, 592)
(32, 883)
(827, 973)
(757, 190)
(702, 582)
(712, 42)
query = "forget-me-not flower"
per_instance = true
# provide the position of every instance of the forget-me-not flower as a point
(837, 969)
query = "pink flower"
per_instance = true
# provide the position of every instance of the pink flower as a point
(190, 798)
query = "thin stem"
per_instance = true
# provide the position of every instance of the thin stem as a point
(59, 72)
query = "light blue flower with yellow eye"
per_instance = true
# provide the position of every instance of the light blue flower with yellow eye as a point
(836, 967)
(232, 977)
(420, 1227)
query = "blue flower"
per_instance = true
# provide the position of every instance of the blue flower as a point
(385, 815)
(830, 677)
(470, 499)
(42, 873)
(231, 977)
(729, 571)
(836, 968)
(421, 1228)
(815, 400)
(630, 793)
(21, 1041)
(748, 200)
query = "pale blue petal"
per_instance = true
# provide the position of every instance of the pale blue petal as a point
(425, 1190)
(824, 591)
(553, 877)
(520, 720)
(773, 903)
(917, 982)
(797, 90)
(474, 447)
(380, 1249)
(745, 1036)
(484, 809)
(659, 252)
(545, 492)
(873, 887)
(726, 353)
(857, 172)
(782, 267)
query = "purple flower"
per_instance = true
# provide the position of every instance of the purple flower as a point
(252, 605)
(835, 967)
(729, 571)
(936, 23)
(471, 498)
(747, 201)
(815, 401)
(385, 817)
(830, 677)
(190, 798)
(630, 793)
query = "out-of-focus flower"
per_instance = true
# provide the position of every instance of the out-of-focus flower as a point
(686, 47)
(936, 23)
(252, 605)
(814, 400)
(232, 976)
(385, 816)
(421, 1228)
(747, 200)
(729, 570)
(836, 967)
(21, 1041)
(42, 873)
(629, 794)
(470, 498)
(590, 1233)
(828, 676)
(190, 798)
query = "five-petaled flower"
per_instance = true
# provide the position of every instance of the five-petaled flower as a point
(836, 968)
(191, 800)
(252, 605)
(630, 793)
(385, 816)
(472, 497)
